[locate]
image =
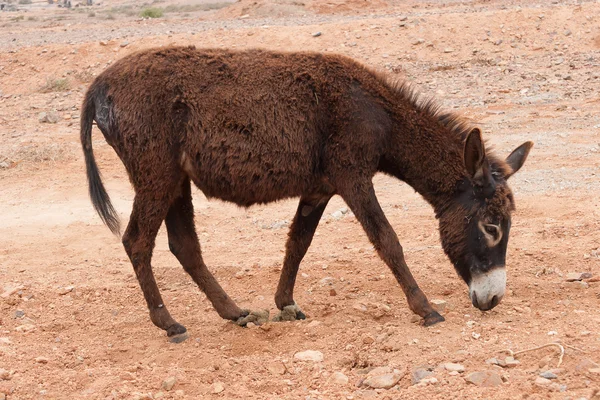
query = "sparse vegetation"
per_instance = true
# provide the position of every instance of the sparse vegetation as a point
(56, 85)
(18, 18)
(110, 16)
(152, 12)
(24, 1)
(91, 15)
(194, 7)
(31, 18)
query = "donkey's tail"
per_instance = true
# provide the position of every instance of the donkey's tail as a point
(98, 194)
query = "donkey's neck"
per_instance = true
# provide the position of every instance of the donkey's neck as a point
(426, 154)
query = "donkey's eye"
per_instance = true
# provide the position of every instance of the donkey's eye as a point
(491, 229)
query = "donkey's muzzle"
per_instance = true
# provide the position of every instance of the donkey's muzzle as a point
(487, 288)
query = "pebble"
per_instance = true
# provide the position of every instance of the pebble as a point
(41, 360)
(169, 383)
(48, 117)
(339, 214)
(65, 290)
(385, 381)
(339, 378)
(448, 50)
(418, 42)
(548, 375)
(309, 355)
(420, 374)
(484, 379)
(25, 328)
(578, 276)
(439, 305)
(4, 375)
(103, 43)
(19, 314)
(124, 44)
(316, 34)
(218, 387)
(276, 367)
(454, 367)
(542, 381)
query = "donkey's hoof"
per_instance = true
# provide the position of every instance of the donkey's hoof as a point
(289, 313)
(256, 317)
(432, 318)
(177, 333)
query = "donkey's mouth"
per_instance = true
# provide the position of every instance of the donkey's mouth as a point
(487, 288)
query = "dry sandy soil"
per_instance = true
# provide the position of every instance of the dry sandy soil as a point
(73, 323)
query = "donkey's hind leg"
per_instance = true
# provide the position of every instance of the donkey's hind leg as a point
(149, 210)
(301, 233)
(184, 244)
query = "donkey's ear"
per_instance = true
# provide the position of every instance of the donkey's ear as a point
(474, 157)
(517, 158)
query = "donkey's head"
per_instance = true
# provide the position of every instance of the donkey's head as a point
(475, 225)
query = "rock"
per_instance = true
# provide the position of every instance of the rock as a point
(217, 387)
(585, 365)
(339, 378)
(448, 50)
(542, 381)
(339, 214)
(4, 165)
(420, 374)
(103, 43)
(4, 375)
(327, 281)
(125, 44)
(276, 367)
(169, 383)
(385, 381)
(454, 367)
(41, 360)
(50, 117)
(578, 276)
(10, 290)
(576, 285)
(594, 370)
(484, 379)
(316, 34)
(439, 305)
(548, 375)
(25, 328)
(510, 362)
(432, 380)
(332, 292)
(418, 42)
(65, 290)
(19, 314)
(309, 355)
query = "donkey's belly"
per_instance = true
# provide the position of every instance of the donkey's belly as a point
(248, 181)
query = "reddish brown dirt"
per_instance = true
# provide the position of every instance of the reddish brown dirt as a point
(525, 70)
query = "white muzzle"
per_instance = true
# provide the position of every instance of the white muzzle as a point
(487, 289)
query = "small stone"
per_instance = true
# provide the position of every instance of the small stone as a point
(339, 378)
(125, 44)
(576, 285)
(19, 314)
(251, 325)
(548, 375)
(542, 381)
(332, 292)
(432, 380)
(316, 34)
(594, 370)
(327, 281)
(368, 340)
(169, 383)
(309, 355)
(385, 381)
(577, 276)
(454, 367)
(567, 32)
(25, 328)
(103, 43)
(419, 374)
(217, 387)
(4, 165)
(65, 290)
(403, 18)
(41, 360)
(339, 214)
(448, 50)
(50, 117)
(511, 362)
(418, 42)
(4, 375)
(484, 379)
(276, 368)
(439, 305)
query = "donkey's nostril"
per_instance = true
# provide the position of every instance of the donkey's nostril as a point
(495, 301)
(474, 299)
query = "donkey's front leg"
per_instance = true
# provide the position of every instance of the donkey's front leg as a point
(303, 228)
(361, 199)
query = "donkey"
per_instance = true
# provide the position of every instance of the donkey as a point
(253, 127)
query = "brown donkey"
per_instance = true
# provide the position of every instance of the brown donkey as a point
(252, 127)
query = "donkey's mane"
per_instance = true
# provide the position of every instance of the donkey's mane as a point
(458, 126)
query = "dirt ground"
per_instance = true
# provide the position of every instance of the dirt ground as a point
(73, 322)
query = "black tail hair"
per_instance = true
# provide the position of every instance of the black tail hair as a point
(98, 194)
